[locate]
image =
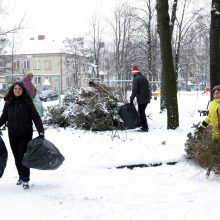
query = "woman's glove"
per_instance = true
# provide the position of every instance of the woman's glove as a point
(203, 126)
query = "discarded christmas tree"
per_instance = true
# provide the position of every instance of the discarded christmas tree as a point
(202, 150)
(91, 108)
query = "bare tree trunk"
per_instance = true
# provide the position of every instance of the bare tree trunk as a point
(96, 41)
(149, 37)
(163, 88)
(75, 63)
(147, 44)
(123, 18)
(168, 73)
(179, 38)
(215, 44)
(173, 16)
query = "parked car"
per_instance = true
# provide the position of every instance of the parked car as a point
(48, 97)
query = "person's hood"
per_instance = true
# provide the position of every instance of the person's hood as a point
(217, 100)
(26, 78)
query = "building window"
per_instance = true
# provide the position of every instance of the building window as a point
(2, 64)
(37, 80)
(26, 64)
(36, 64)
(47, 64)
(67, 63)
(16, 65)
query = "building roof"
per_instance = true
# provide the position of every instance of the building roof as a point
(36, 47)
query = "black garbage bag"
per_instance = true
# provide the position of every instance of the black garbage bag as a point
(3, 156)
(42, 154)
(130, 116)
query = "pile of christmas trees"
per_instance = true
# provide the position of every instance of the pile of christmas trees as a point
(92, 108)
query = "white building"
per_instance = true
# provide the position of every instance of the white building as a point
(45, 59)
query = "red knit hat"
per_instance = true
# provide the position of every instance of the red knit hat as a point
(135, 69)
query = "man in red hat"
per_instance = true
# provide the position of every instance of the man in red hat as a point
(140, 90)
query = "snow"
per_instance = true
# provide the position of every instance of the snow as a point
(36, 47)
(88, 186)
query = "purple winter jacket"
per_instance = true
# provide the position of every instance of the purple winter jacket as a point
(29, 86)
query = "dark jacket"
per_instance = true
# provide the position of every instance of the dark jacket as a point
(140, 89)
(18, 115)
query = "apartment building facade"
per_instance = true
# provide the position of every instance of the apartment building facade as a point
(49, 64)
(46, 67)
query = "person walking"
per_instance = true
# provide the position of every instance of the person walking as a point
(27, 81)
(17, 114)
(140, 90)
(32, 92)
(213, 117)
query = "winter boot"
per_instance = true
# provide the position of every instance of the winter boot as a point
(143, 130)
(19, 182)
(25, 185)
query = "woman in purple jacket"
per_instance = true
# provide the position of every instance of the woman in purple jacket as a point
(27, 81)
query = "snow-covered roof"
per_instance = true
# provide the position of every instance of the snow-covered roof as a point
(36, 47)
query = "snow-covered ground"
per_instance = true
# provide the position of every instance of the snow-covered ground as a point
(88, 186)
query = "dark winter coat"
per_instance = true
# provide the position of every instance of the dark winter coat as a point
(18, 114)
(140, 89)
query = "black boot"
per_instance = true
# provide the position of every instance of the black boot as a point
(25, 185)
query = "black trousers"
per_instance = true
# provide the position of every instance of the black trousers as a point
(141, 111)
(19, 147)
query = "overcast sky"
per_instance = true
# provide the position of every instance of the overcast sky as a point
(58, 19)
